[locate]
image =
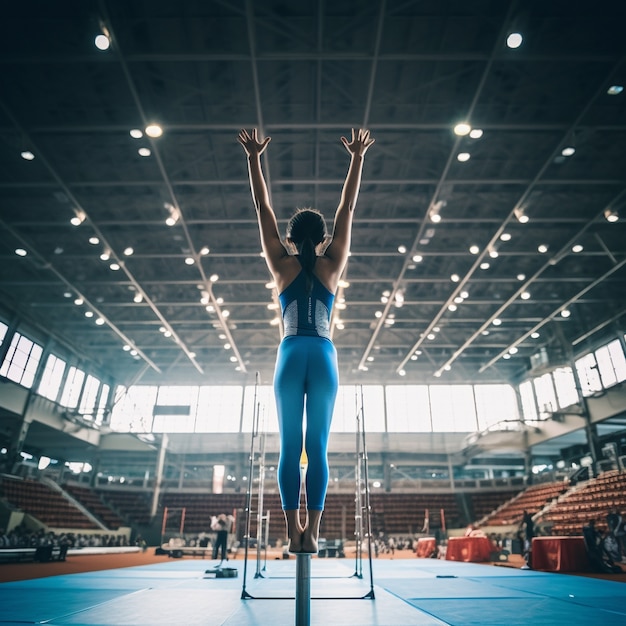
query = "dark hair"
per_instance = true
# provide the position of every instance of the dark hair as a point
(307, 229)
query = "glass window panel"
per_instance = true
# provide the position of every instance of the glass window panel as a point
(453, 408)
(89, 397)
(21, 361)
(219, 409)
(102, 403)
(51, 378)
(72, 388)
(408, 409)
(185, 398)
(133, 408)
(605, 367)
(565, 386)
(263, 397)
(619, 360)
(373, 414)
(546, 398)
(344, 415)
(495, 403)
(587, 370)
(527, 395)
(3, 332)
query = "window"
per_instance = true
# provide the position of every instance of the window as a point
(259, 404)
(219, 409)
(132, 411)
(102, 404)
(453, 408)
(611, 363)
(527, 395)
(51, 378)
(565, 386)
(408, 409)
(175, 410)
(588, 374)
(3, 332)
(72, 389)
(21, 361)
(546, 398)
(495, 403)
(349, 402)
(89, 397)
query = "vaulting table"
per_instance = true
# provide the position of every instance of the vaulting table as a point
(425, 547)
(469, 549)
(559, 554)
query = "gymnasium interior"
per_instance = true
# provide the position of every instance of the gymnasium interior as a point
(479, 431)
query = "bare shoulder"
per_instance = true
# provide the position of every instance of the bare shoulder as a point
(327, 270)
(285, 272)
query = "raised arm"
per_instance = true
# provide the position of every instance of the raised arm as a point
(270, 238)
(339, 247)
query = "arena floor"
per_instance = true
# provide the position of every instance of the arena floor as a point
(412, 592)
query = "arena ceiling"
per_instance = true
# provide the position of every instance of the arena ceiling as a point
(420, 307)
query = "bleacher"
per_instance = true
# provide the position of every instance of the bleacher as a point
(92, 501)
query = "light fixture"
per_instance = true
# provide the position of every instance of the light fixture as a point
(493, 253)
(94, 241)
(521, 216)
(79, 217)
(106, 255)
(535, 335)
(137, 298)
(525, 295)
(214, 278)
(204, 251)
(476, 133)
(190, 260)
(615, 90)
(129, 251)
(514, 40)
(577, 248)
(611, 215)
(144, 152)
(344, 284)
(154, 130)
(78, 301)
(99, 321)
(462, 129)
(135, 133)
(474, 249)
(565, 313)
(417, 258)
(88, 313)
(455, 278)
(505, 237)
(102, 42)
(378, 314)
(435, 218)
(452, 307)
(484, 265)
(521, 277)
(542, 248)
(20, 252)
(497, 322)
(463, 156)
(402, 249)
(568, 151)
(114, 266)
(27, 155)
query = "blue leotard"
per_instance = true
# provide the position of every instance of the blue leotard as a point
(306, 376)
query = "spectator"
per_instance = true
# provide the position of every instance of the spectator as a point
(594, 543)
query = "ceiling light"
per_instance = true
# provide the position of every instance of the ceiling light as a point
(344, 284)
(542, 248)
(568, 151)
(135, 133)
(455, 278)
(99, 321)
(339, 325)
(506, 356)
(402, 249)
(219, 300)
(227, 346)
(129, 251)
(79, 217)
(190, 260)
(114, 266)
(144, 152)
(476, 133)
(462, 129)
(204, 251)
(78, 301)
(430, 336)
(27, 155)
(577, 248)
(485, 332)
(126, 348)
(565, 313)
(505, 237)
(521, 216)
(214, 278)
(464, 294)
(514, 40)
(521, 277)
(452, 307)
(20, 252)
(435, 218)
(474, 249)
(342, 305)
(133, 353)
(225, 313)
(88, 313)
(170, 221)
(154, 131)
(484, 265)
(611, 215)
(458, 300)
(270, 285)
(493, 254)
(615, 90)
(401, 373)
(535, 335)
(497, 322)
(105, 256)
(94, 241)
(525, 295)
(370, 358)
(463, 156)
(102, 42)
(137, 298)
(67, 294)
(233, 359)
(418, 258)
(378, 314)
(447, 368)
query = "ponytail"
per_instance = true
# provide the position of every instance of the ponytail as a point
(306, 229)
(308, 256)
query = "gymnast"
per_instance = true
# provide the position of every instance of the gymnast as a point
(306, 271)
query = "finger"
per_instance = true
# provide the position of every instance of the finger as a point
(344, 141)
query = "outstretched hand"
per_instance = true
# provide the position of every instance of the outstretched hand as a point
(361, 141)
(251, 144)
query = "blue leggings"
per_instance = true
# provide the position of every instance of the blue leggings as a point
(306, 375)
